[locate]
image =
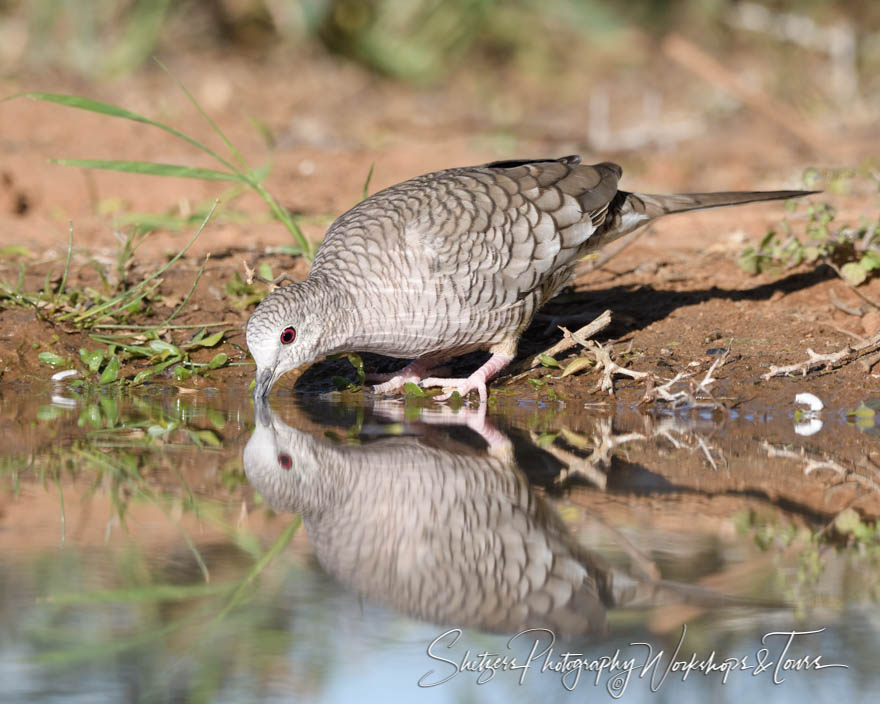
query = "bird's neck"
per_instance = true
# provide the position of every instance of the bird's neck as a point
(334, 312)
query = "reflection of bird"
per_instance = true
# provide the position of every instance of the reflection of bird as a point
(451, 262)
(446, 534)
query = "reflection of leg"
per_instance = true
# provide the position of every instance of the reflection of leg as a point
(475, 382)
(413, 373)
(436, 414)
(499, 444)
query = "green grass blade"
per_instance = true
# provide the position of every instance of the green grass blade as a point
(367, 182)
(63, 283)
(96, 106)
(189, 293)
(229, 145)
(152, 168)
(244, 585)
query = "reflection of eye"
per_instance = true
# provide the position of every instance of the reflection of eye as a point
(287, 336)
(284, 461)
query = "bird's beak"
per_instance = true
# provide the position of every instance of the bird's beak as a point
(265, 379)
(262, 411)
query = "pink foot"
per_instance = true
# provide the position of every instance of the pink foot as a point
(475, 382)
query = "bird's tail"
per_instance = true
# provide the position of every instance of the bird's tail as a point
(653, 206)
(629, 211)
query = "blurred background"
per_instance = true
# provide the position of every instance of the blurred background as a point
(689, 95)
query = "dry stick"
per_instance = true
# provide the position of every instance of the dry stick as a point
(705, 66)
(568, 341)
(829, 360)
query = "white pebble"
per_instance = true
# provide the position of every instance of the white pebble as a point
(811, 426)
(58, 376)
(814, 402)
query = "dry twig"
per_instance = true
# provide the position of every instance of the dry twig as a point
(569, 340)
(608, 366)
(830, 360)
(812, 463)
(251, 275)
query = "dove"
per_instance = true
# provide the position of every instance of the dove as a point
(452, 262)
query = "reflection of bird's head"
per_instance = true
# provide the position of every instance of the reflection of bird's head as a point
(280, 461)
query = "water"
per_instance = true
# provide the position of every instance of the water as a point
(179, 547)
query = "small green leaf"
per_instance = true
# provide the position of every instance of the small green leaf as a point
(165, 349)
(218, 360)
(93, 359)
(576, 439)
(209, 341)
(545, 439)
(748, 261)
(547, 361)
(411, 389)
(358, 364)
(853, 273)
(537, 383)
(216, 418)
(111, 371)
(181, 373)
(142, 376)
(812, 253)
(576, 365)
(848, 521)
(870, 261)
(265, 270)
(52, 359)
(209, 437)
(340, 382)
(863, 411)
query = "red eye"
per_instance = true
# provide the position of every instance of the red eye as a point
(285, 461)
(288, 335)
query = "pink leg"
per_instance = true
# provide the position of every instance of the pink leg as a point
(475, 382)
(413, 373)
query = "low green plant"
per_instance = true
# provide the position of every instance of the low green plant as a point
(812, 234)
(103, 366)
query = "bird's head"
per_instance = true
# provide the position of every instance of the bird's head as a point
(284, 332)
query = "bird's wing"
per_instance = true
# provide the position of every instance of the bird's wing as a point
(494, 233)
(502, 230)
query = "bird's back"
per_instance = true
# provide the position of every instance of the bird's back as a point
(463, 257)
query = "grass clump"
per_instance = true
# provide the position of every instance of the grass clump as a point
(812, 234)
